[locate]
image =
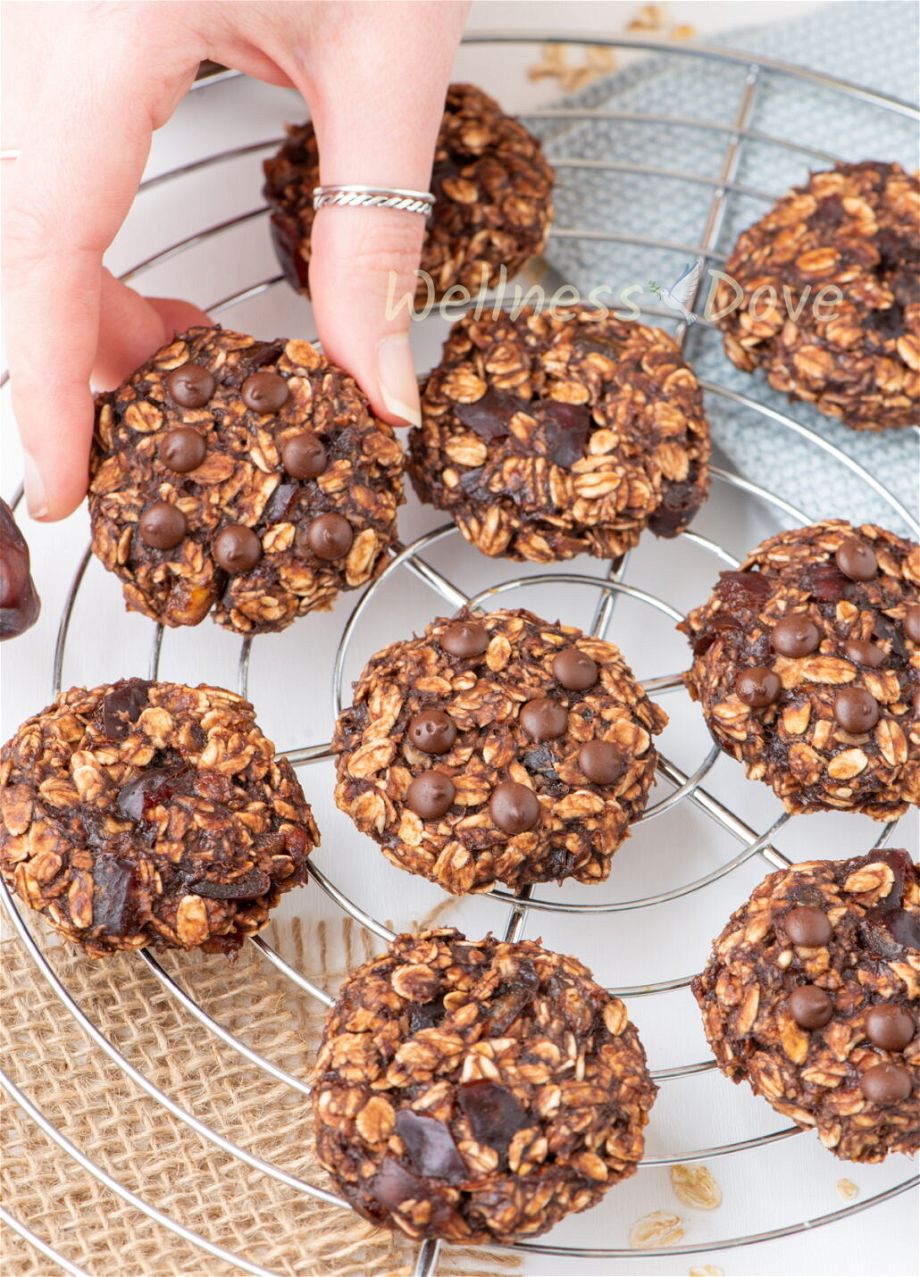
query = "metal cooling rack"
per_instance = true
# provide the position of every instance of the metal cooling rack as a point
(411, 558)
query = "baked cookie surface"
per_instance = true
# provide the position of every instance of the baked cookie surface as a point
(854, 354)
(561, 433)
(143, 813)
(806, 663)
(239, 477)
(477, 1091)
(493, 198)
(812, 995)
(497, 748)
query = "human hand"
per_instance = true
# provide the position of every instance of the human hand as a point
(85, 86)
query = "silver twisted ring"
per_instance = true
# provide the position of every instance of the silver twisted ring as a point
(374, 197)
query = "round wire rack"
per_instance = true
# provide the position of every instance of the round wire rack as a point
(679, 786)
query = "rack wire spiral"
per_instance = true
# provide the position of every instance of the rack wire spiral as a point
(681, 786)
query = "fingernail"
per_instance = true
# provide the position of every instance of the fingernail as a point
(36, 500)
(398, 382)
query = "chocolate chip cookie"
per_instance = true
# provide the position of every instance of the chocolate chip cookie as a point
(830, 295)
(561, 433)
(240, 477)
(493, 198)
(807, 666)
(812, 995)
(497, 748)
(477, 1091)
(146, 813)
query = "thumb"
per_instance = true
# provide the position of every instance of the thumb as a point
(380, 131)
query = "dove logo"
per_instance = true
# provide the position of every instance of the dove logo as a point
(682, 294)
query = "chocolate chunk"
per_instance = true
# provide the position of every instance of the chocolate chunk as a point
(514, 808)
(601, 761)
(493, 1112)
(912, 622)
(856, 710)
(265, 392)
(123, 705)
(743, 591)
(281, 503)
(425, 1015)
(862, 652)
(810, 1007)
(489, 417)
(393, 1185)
(430, 1146)
(575, 670)
(236, 548)
(565, 430)
(329, 536)
(808, 926)
(190, 385)
(248, 886)
(795, 636)
(544, 719)
(890, 1027)
(304, 456)
(431, 794)
(182, 449)
(856, 559)
(827, 584)
(465, 639)
(886, 1084)
(114, 889)
(162, 526)
(758, 687)
(19, 602)
(152, 788)
(432, 731)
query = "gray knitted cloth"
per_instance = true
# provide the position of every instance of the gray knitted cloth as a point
(874, 44)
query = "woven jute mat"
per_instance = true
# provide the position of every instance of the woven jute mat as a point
(155, 1155)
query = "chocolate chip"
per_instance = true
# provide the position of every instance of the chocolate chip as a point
(264, 392)
(432, 731)
(430, 1146)
(544, 719)
(431, 795)
(182, 449)
(810, 1007)
(237, 548)
(863, 652)
(249, 886)
(190, 386)
(514, 808)
(329, 536)
(574, 669)
(162, 526)
(757, 686)
(303, 456)
(123, 705)
(795, 636)
(856, 560)
(856, 710)
(808, 926)
(465, 639)
(912, 622)
(601, 761)
(886, 1084)
(493, 1112)
(890, 1027)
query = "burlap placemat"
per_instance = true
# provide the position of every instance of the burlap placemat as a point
(155, 1155)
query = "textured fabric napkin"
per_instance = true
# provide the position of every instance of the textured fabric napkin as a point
(873, 44)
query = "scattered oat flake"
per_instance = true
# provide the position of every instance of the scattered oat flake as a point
(696, 1186)
(656, 1229)
(683, 31)
(649, 18)
(847, 1189)
(708, 1270)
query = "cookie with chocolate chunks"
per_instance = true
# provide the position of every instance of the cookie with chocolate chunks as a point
(497, 748)
(144, 813)
(560, 433)
(492, 188)
(830, 296)
(806, 663)
(19, 601)
(244, 478)
(477, 1091)
(812, 996)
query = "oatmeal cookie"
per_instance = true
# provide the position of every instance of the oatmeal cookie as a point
(807, 666)
(477, 1092)
(146, 813)
(497, 748)
(19, 601)
(561, 433)
(812, 995)
(240, 476)
(493, 198)
(853, 352)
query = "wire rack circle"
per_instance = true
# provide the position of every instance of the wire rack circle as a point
(680, 785)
